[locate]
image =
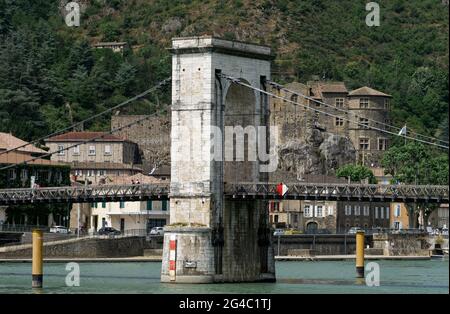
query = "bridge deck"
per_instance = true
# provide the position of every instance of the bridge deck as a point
(241, 191)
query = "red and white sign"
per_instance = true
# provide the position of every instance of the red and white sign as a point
(172, 256)
(282, 189)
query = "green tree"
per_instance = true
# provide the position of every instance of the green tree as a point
(356, 173)
(414, 163)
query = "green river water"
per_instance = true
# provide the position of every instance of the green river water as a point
(292, 277)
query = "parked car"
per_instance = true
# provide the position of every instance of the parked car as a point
(354, 230)
(108, 231)
(278, 232)
(292, 231)
(157, 231)
(59, 229)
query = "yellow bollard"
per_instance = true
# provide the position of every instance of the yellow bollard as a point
(360, 254)
(37, 267)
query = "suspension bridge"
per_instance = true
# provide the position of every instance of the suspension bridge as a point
(219, 215)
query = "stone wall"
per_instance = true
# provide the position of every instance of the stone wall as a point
(402, 244)
(152, 136)
(81, 248)
(319, 244)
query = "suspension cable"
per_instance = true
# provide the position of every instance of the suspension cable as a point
(365, 126)
(278, 86)
(126, 102)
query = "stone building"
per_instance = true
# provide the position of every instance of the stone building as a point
(109, 148)
(152, 136)
(399, 218)
(368, 105)
(118, 47)
(332, 139)
(366, 215)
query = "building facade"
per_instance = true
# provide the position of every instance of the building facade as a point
(108, 148)
(152, 135)
(126, 216)
(399, 218)
(305, 216)
(365, 215)
(364, 107)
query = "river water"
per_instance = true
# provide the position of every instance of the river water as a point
(292, 277)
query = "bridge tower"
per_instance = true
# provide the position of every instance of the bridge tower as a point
(211, 238)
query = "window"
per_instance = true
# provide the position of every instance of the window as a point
(61, 151)
(330, 210)
(339, 121)
(381, 213)
(366, 210)
(91, 150)
(339, 102)
(122, 204)
(103, 204)
(149, 205)
(274, 206)
(24, 174)
(382, 144)
(164, 205)
(397, 210)
(294, 98)
(348, 210)
(364, 143)
(397, 225)
(364, 123)
(386, 104)
(357, 210)
(275, 218)
(94, 205)
(76, 150)
(307, 211)
(319, 211)
(108, 150)
(12, 174)
(387, 212)
(295, 218)
(364, 103)
(376, 212)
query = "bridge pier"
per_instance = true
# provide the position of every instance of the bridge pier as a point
(217, 239)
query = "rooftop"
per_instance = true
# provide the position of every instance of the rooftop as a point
(103, 166)
(9, 141)
(77, 136)
(119, 43)
(16, 158)
(367, 91)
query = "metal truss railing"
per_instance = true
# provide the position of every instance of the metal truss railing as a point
(353, 192)
(85, 194)
(311, 191)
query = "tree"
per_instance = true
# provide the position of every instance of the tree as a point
(414, 163)
(356, 173)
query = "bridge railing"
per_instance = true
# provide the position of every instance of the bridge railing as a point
(340, 190)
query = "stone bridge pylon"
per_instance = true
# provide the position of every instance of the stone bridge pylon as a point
(213, 239)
